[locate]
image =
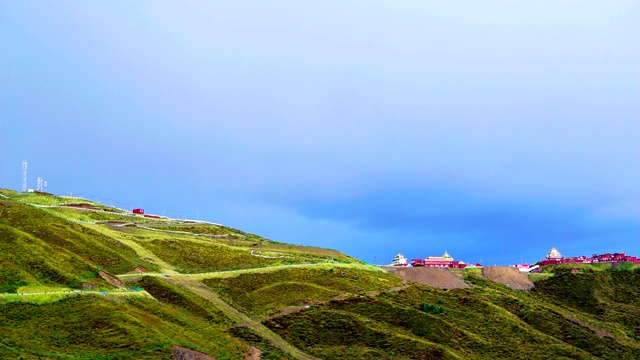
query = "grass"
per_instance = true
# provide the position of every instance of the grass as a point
(207, 229)
(95, 215)
(241, 318)
(130, 241)
(57, 295)
(610, 296)
(258, 243)
(48, 199)
(264, 270)
(194, 257)
(539, 276)
(262, 294)
(27, 259)
(486, 321)
(100, 329)
(588, 267)
(268, 351)
(175, 296)
(41, 235)
(36, 299)
(339, 335)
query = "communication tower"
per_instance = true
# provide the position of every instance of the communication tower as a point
(24, 176)
(45, 187)
(40, 183)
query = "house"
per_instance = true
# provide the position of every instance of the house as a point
(400, 260)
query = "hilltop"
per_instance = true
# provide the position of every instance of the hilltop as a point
(79, 279)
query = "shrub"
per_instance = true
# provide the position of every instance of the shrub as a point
(432, 308)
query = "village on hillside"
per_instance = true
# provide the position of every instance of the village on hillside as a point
(554, 257)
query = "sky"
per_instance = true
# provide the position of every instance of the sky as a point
(493, 130)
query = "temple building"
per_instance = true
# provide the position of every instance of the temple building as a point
(554, 254)
(439, 261)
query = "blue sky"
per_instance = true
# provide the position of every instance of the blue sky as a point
(493, 130)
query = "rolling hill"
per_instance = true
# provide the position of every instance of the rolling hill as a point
(81, 280)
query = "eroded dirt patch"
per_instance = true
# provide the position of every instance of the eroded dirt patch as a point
(438, 278)
(182, 353)
(81, 206)
(509, 276)
(254, 355)
(111, 279)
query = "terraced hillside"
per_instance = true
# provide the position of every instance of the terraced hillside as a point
(82, 280)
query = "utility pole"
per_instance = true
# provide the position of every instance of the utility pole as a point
(24, 176)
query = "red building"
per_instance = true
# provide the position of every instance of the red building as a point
(444, 261)
(417, 262)
(138, 211)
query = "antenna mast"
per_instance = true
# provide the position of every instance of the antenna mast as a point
(24, 176)
(40, 183)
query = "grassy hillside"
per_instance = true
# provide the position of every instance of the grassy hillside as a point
(263, 294)
(221, 291)
(90, 327)
(487, 321)
(610, 296)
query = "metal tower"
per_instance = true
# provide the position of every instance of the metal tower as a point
(44, 188)
(24, 176)
(40, 183)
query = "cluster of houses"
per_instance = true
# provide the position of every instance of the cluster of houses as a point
(444, 261)
(553, 257)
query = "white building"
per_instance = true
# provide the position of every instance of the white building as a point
(400, 260)
(554, 254)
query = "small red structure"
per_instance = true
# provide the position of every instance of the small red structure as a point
(138, 211)
(153, 216)
(417, 262)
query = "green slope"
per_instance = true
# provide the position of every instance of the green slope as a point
(220, 291)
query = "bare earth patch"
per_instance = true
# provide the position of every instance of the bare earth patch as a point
(438, 278)
(182, 353)
(82, 206)
(255, 354)
(601, 333)
(509, 276)
(111, 279)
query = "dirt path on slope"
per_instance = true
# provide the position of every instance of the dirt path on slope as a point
(240, 318)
